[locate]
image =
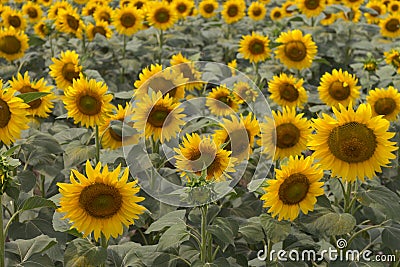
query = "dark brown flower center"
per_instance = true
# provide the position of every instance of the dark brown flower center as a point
(182, 7)
(385, 106)
(287, 135)
(294, 189)
(128, 20)
(394, 8)
(99, 30)
(32, 13)
(311, 4)
(208, 8)
(392, 25)
(35, 103)
(105, 16)
(101, 200)
(139, 4)
(295, 51)
(277, 14)
(288, 92)
(89, 105)
(69, 73)
(338, 91)
(352, 142)
(256, 47)
(14, 21)
(233, 11)
(10, 45)
(162, 15)
(158, 117)
(72, 22)
(5, 114)
(257, 11)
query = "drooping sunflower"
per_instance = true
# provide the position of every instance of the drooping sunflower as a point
(311, 8)
(42, 29)
(12, 115)
(13, 18)
(56, 8)
(111, 138)
(100, 202)
(287, 91)
(101, 28)
(390, 26)
(238, 134)
(65, 69)
(13, 43)
(254, 47)
(40, 107)
(276, 13)
(128, 20)
(69, 21)
(378, 7)
(161, 15)
(296, 188)
(103, 13)
(158, 117)
(207, 8)
(296, 51)
(33, 11)
(340, 87)
(355, 144)
(196, 153)
(233, 11)
(385, 102)
(183, 7)
(87, 102)
(244, 92)
(393, 57)
(257, 11)
(221, 101)
(286, 137)
(188, 70)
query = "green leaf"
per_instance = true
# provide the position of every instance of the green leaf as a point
(276, 230)
(166, 221)
(27, 180)
(225, 229)
(37, 202)
(334, 224)
(76, 153)
(252, 231)
(173, 237)
(45, 141)
(81, 252)
(29, 97)
(118, 254)
(391, 236)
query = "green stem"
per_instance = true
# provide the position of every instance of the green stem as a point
(256, 70)
(348, 203)
(97, 140)
(2, 236)
(51, 45)
(203, 233)
(269, 248)
(104, 244)
(123, 57)
(84, 44)
(364, 230)
(161, 43)
(42, 185)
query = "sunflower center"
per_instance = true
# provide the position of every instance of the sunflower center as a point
(240, 139)
(311, 4)
(256, 47)
(14, 21)
(277, 14)
(208, 8)
(69, 73)
(257, 11)
(162, 15)
(225, 99)
(385, 106)
(99, 30)
(5, 114)
(89, 105)
(158, 116)
(72, 22)
(35, 103)
(295, 50)
(160, 84)
(287, 135)
(128, 20)
(392, 25)
(352, 142)
(181, 8)
(395, 8)
(294, 189)
(338, 91)
(10, 45)
(32, 13)
(233, 10)
(100, 200)
(288, 92)
(139, 4)
(105, 16)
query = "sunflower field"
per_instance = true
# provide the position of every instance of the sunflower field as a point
(199, 133)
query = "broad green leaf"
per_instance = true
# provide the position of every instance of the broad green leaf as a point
(81, 252)
(29, 97)
(27, 180)
(166, 221)
(76, 153)
(391, 237)
(276, 230)
(174, 236)
(117, 254)
(252, 231)
(334, 224)
(45, 141)
(37, 202)
(225, 229)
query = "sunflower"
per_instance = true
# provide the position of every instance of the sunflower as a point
(353, 15)
(100, 202)
(286, 134)
(257, 11)
(390, 26)
(161, 15)
(13, 43)
(140, 4)
(196, 153)
(221, 101)
(296, 188)
(233, 66)
(56, 8)
(183, 7)
(87, 102)
(65, 69)
(254, 47)
(244, 92)
(329, 19)
(394, 7)
(101, 28)
(287, 91)
(12, 115)
(103, 13)
(287, 8)
(238, 135)
(311, 8)
(45, 2)
(338, 88)
(353, 4)
(378, 7)
(385, 102)
(207, 8)
(233, 11)
(128, 20)
(89, 9)
(42, 29)
(355, 144)
(40, 107)
(158, 117)
(81, 2)
(13, 18)
(33, 11)
(186, 67)
(69, 21)
(393, 57)
(276, 13)
(112, 139)
(296, 51)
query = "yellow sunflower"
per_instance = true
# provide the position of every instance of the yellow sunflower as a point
(257, 11)
(158, 117)
(221, 101)
(378, 7)
(233, 11)
(101, 28)
(112, 139)
(296, 51)
(276, 13)
(390, 26)
(254, 47)
(353, 4)
(140, 4)
(286, 134)
(33, 11)
(385, 102)
(65, 69)
(100, 202)
(353, 15)
(45, 2)
(287, 91)
(394, 7)
(244, 92)
(338, 88)
(238, 135)
(13, 43)
(287, 8)
(56, 8)
(89, 9)
(329, 19)
(81, 2)
(103, 13)
(355, 144)
(311, 8)
(13, 18)
(183, 7)
(69, 21)
(233, 66)
(12, 115)
(188, 70)
(207, 8)
(161, 15)
(128, 20)
(296, 188)
(87, 102)
(393, 57)
(42, 29)
(40, 107)
(196, 153)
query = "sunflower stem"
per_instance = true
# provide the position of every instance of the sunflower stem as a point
(348, 203)
(104, 244)
(42, 185)
(51, 45)
(97, 140)
(161, 43)
(2, 237)
(123, 57)
(258, 78)
(203, 233)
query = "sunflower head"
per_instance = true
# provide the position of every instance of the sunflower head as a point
(128, 20)
(101, 28)
(390, 26)
(161, 15)
(311, 8)
(276, 13)
(287, 90)
(222, 101)
(257, 11)
(254, 47)
(207, 8)
(32, 11)
(42, 29)
(183, 7)
(13, 18)
(65, 69)
(103, 13)
(393, 57)
(385, 102)
(233, 11)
